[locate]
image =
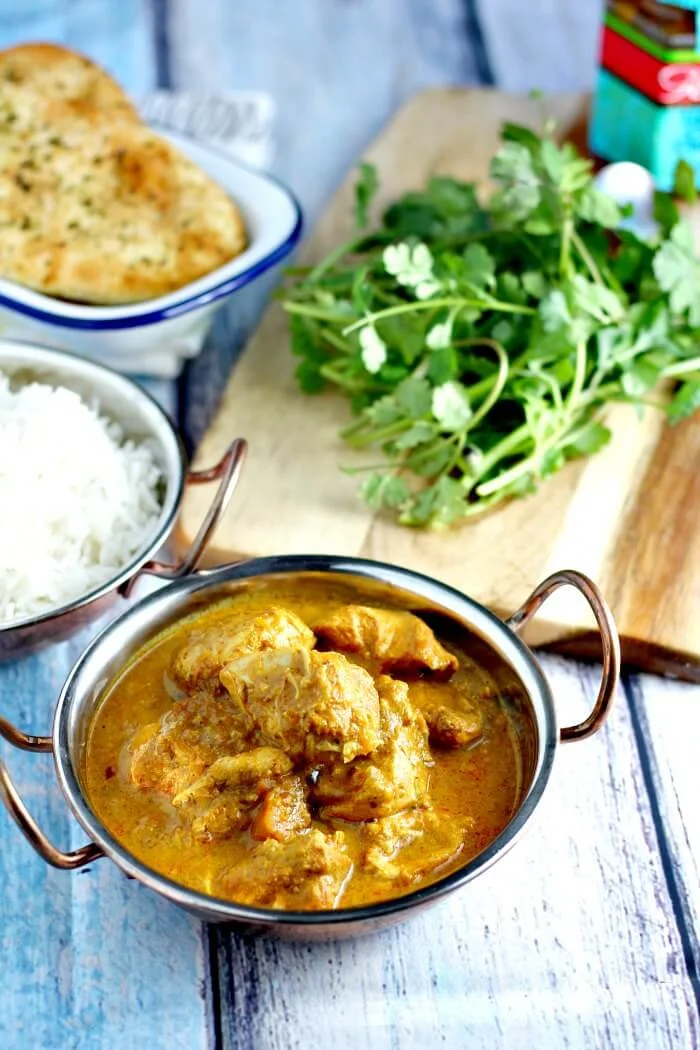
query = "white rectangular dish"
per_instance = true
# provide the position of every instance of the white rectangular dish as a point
(157, 335)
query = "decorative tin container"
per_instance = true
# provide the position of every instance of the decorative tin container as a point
(646, 106)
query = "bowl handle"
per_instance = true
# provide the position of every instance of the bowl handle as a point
(21, 815)
(227, 472)
(610, 642)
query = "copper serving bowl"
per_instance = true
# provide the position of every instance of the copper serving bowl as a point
(143, 420)
(109, 652)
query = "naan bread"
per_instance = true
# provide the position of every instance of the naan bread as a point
(62, 84)
(94, 206)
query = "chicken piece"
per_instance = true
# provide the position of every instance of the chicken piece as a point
(283, 812)
(313, 705)
(385, 837)
(393, 777)
(452, 721)
(234, 771)
(222, 799)
(450, 728)
(440, 844)
(397, 641)
(307, 873)
(169, 754)
(208, 651)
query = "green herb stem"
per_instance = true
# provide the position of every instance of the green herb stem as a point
(682, 368)
(565, 246)
(505, 447)
(376, 436)
(436, 304)
(498, 382)
(315, 312)
(321, 268)
(580, 246)
(332, 374)
(518, 470)
(579, 374)
(340, 344)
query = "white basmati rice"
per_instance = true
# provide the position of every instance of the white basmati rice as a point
(77, 501)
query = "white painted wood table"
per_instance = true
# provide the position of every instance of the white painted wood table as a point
(586, 935)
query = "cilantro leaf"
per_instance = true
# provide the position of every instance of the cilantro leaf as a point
(519, 192)
(678, 272)
(450, 405)
(641, 375)
(310, 379)
(365, 189)
(415, 397)
(595, 299)
(685, 401)
(665, 212)
(554, 311)
(412, 266)
(443, 365)
(395, 492)
(385, 490)
(524, 136)
(446, 211)
(418, 434)
(590, 438)
(597, 207)
(534, 283)
(684, 182)
(373, 348)
(479, 266)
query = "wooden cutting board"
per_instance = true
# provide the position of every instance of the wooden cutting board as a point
(629, 517)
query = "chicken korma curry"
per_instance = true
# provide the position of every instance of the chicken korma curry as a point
(300, 746)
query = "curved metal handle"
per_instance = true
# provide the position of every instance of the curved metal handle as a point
(227, 472)
(24, 741)
(610, 642)
(21, 815)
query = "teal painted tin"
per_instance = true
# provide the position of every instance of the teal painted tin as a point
(625, 125)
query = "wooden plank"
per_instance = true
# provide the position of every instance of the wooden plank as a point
(541, 45)
(569, 941)
(601, 515)
(667, 718)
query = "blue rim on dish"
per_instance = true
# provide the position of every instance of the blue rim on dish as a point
(184, 306)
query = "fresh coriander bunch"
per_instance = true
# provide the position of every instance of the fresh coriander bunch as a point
(481, 341)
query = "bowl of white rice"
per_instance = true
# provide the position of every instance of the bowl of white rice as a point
(92, 473)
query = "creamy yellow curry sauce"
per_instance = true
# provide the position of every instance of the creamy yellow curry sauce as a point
(302, 745)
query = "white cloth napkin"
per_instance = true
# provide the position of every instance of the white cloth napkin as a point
(239, 122)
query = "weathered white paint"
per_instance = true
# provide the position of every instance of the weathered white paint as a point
(668, 721)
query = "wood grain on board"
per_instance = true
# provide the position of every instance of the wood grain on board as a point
(625, 516)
